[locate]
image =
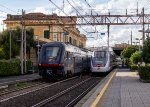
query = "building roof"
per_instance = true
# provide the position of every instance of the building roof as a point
(41, 16)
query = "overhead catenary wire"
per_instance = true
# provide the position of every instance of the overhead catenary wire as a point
(65, 13)
(9, 9)
(3, 11)
(146, 3)
(77, 11)
(92, 25)
(81, 16)
(96, 19)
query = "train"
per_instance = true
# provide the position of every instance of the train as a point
(103, 60)
(59, 60)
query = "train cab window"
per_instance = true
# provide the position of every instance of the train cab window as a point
(99, 54)
(99, 58)
(52, 52)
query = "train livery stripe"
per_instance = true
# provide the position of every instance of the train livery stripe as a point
(98, 98)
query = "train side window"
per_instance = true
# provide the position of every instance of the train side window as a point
(67, 55)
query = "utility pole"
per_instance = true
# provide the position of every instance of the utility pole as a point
(21, 53)
(137, 9)
(108, 27)
(10, 45)
(148, 30)
(131, 38)
(143, 37)
(25, 47)
(63, 5)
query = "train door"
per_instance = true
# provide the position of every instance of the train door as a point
(68, 63)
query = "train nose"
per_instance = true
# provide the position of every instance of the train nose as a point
(99, 65)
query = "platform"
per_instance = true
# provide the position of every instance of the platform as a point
(124, 90)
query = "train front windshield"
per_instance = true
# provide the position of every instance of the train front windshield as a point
(52, 53)
(99, 59)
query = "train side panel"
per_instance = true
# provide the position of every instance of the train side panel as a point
(60, 60)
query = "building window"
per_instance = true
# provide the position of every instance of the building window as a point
(75, 42)
(46, 34)
(70, 40)
(82, 45)
(55, 37)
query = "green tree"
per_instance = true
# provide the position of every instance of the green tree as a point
(127, 52)
(146, 51)
(135, 57)
(15, 41)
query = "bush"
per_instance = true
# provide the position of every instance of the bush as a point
(12, 67)
(134, 67)
(8, 67)
(135, 57)
(146, 51)
(144, 72)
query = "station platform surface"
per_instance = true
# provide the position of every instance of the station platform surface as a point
(11, 79)
(124, 90)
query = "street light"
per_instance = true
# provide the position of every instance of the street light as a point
(139, 47)
(139, 44)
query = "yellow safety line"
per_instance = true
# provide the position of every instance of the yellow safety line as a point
(94, 104)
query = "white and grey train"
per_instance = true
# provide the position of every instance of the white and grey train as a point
(102, 60)
(58, 59)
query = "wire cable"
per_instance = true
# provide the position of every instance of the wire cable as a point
(9, 9)
(65, 13)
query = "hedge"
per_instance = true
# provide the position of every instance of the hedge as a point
(133, 67)
(12, 67)
(144, 72)
(9, 67)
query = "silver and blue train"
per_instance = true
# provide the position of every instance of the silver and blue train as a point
(58, 59)
(103, 60)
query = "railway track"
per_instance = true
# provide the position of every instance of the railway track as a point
(11, 101)
(70, 91)
(58, 95)
(70, 96)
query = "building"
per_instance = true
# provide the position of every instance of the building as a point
(122, 45)
(48, 28)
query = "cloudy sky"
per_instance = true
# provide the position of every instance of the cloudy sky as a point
(118, 34)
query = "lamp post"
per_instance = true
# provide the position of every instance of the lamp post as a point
(139, 44)
(139, 49)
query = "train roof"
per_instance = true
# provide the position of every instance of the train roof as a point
(68, 45)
